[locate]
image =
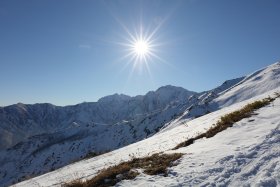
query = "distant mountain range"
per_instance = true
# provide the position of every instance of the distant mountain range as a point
(35, 139)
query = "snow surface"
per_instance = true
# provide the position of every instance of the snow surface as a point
(246, 154)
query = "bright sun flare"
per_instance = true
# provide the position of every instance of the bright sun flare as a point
(141, 47)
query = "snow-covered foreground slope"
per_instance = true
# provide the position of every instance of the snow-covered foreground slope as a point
(247, 153)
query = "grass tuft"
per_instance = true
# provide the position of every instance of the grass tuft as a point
(156, 164)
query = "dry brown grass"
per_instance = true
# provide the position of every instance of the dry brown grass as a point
(228, 120)
(152, 165)
(155, 164)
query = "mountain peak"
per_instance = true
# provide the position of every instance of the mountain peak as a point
(170, 88)
(114, 97)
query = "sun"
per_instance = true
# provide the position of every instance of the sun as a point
(141, 47)
(141, 50)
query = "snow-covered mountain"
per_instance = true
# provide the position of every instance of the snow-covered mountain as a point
(20, 121)
(247, 154)
(39, 138)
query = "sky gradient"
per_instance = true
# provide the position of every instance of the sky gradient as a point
(70, 51)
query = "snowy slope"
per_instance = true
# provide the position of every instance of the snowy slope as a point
(252, 85)
(247, 153)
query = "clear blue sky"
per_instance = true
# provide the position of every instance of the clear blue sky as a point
(67, 51)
